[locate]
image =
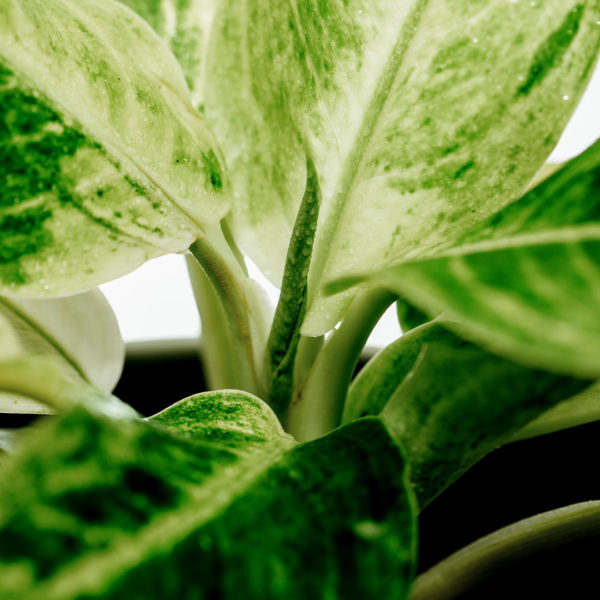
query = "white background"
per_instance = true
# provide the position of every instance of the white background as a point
(155, 302)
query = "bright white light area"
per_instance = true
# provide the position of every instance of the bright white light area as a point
(156, 301)
(584, 127)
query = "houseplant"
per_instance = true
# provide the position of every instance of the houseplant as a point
(361, 154)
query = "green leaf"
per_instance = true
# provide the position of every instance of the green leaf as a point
(418, 120)
(289, 314)
(525, 283)
(204, 501)
(448, 403)
(380, 377)
(409, 316)
(7, 441)
(457, 407)
(43, 384)
(80, 332)
(578, 410)
(105, 162)
(491, 557)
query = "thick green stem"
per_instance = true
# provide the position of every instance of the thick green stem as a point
(467, 568)
(230, 332)
(317, 407)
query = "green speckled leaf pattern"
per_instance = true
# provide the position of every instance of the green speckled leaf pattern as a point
(80, 332)
(104, 161)
(284, 338)
(228, 417)
(525, 283)
(100, 508)
(419, 120)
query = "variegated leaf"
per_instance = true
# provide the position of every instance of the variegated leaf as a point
(449, 403)
(526, 282)
(185, 25)
(419, 120)
(104, 161)
(209, 499)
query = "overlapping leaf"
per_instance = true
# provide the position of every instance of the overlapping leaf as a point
(185, 25)
(210, 499)
(448, 403)
(103, 160)
(419, 121)
(80, 333)
(525, 283)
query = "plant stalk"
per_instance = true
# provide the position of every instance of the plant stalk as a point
(230, 337)
(317, 406)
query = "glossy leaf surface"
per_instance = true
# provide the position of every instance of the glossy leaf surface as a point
(105, 162)
(291, 308)
(412, 139)
(207, 499)
(185, 26)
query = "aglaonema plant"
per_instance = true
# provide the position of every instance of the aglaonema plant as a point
(360, 153)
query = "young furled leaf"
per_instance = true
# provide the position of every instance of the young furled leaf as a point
(526, 282)
(104, 161)
(418, 120)
(209, 499)
(80, 332)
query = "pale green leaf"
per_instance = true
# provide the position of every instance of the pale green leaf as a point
(456, 404)
(80, 332)
(185, 25)
(525, 283)
(7, 441)
(419, 120)
(228, 507)
(104, 159)
(380, 377)
(43, 384)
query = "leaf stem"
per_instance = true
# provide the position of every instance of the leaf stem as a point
(464, 570)
(317, 407)
(226, 315)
